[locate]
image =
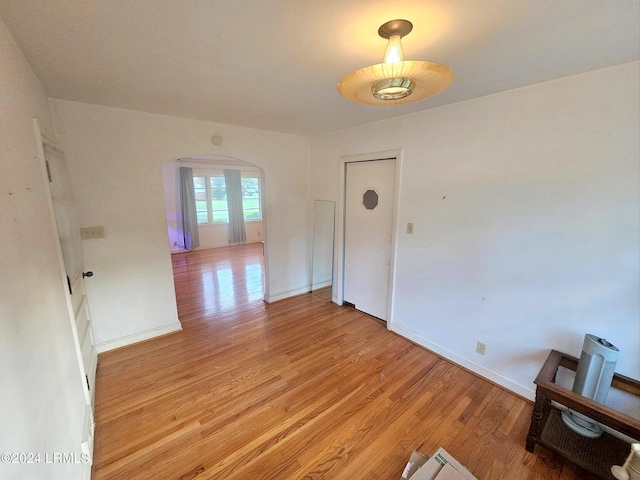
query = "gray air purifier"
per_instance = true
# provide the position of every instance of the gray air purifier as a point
(593, 379)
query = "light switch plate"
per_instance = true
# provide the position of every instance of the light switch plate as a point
(90, 233)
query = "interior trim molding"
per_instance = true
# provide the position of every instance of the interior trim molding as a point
(138, 337)
(283, 295)
(484, 372)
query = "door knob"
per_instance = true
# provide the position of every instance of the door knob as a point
(87, 274)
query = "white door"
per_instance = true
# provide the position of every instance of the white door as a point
(68, 228)
(368, 224)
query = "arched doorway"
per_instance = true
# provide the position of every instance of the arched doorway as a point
(230, 272)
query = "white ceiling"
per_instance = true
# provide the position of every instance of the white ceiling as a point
(275, 64)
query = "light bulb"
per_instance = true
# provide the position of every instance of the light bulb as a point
(394, 50)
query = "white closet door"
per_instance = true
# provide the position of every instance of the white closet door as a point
(369, 211)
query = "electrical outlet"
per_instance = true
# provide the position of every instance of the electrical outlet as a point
(481, 348)
(409, 228)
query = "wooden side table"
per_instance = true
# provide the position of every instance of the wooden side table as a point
(547, 429)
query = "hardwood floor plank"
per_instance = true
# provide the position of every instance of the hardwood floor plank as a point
(297, 389)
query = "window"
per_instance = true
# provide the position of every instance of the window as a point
(218, 197)
(251, 198)
(211, 198)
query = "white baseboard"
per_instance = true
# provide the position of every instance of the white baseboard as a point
(465, 363)
(283, 295)
(138, 337)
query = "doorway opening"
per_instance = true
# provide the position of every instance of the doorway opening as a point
(231, 273)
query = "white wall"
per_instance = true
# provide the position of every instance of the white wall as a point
(115, 159)
(323, 243)
(171, 207)
(525, 207)
(42, 402)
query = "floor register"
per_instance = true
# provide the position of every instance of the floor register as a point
(441, 466)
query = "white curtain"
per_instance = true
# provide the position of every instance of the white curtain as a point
(233, 183)
(188, 209)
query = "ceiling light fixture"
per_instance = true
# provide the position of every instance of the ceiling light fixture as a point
(395, 81)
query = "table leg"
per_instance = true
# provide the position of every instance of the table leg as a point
(536, 419)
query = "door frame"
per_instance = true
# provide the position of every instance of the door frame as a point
(341, 227)
(88, 425)
(64, 280)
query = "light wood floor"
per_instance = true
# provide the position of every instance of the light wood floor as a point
(300, 388)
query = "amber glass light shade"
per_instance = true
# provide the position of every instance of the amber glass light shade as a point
(429, 78)
(395, 81)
